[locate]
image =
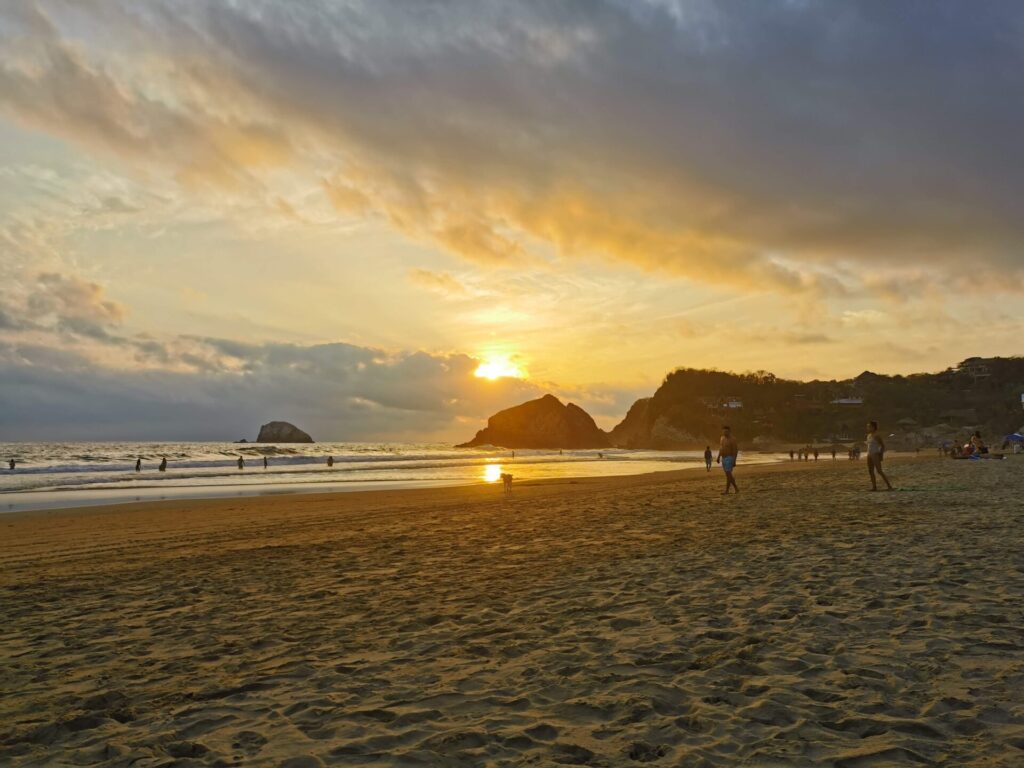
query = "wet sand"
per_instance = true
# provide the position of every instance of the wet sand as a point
(605, 622)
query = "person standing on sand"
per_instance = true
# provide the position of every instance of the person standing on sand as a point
(833, 454)
(876, 452)
(815, 454)
(707, 457)
(791, 455)
(728, 450)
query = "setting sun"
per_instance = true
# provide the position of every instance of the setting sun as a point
(499, 367)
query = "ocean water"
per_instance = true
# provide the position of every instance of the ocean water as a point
(54, 475)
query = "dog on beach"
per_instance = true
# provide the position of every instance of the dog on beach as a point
(506, 481)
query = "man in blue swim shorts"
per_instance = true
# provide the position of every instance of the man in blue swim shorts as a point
(728, 450)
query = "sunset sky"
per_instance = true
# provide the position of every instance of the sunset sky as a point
(218, 212)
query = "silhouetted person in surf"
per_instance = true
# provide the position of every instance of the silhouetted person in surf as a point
(265, 462)
(163, 464)
(708, 456)
(241, 463)
(138, 465)
(330, 461)
(11, 464)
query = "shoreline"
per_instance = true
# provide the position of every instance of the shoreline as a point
(45, 499)
(86, 497)
(390, 488)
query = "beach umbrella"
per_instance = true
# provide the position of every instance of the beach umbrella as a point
(1016, 437)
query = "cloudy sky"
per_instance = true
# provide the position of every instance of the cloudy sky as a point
(216, 212)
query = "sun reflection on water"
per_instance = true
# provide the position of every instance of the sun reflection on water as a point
(492, 473)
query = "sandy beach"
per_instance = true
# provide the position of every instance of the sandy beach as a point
(603, 622)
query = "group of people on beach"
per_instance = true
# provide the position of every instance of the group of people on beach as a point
(728, 452)
(805, 454)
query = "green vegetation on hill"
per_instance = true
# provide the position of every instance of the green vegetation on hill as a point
(920, 409)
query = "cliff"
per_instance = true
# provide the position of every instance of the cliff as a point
(282, 432)
(542, 423)
(632, 431)
(690, 407)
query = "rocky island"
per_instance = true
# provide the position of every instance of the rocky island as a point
(542, 423)
(282, 432)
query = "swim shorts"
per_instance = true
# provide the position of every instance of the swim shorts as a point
(728, 463)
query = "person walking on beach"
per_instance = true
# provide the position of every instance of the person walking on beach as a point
(707, 457)
(791, 455)
(163, 464)
(815, 454)
(728, 450)
(876, 452)
(138, 465)
(833, 453)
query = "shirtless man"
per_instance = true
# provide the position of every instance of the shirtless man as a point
(728, 450)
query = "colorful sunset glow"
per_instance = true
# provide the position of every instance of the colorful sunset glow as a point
(211, 213)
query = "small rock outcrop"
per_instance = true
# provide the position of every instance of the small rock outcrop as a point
(544, 423)
(282, 432)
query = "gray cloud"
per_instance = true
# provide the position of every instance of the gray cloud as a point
(336, 391)
(65, 304)
(780, 146)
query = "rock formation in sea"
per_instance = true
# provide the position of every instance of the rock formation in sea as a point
(542, 423)
(282, 432)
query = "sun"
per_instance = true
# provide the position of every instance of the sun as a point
(499, 367)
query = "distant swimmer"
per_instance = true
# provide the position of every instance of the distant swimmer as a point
(330, 461)
(728, 450)
(708, 457)
(163, 464)
(506, 482)
(264, 462)
(138, 465)
(241, 463)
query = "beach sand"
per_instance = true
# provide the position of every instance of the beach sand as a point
(608, 622)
